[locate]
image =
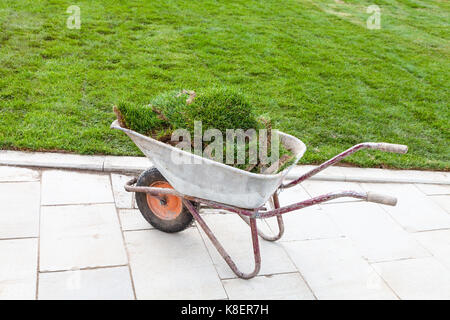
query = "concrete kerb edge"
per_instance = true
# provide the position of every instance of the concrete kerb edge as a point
(105, 164)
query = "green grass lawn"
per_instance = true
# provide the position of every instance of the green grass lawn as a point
(311, 65)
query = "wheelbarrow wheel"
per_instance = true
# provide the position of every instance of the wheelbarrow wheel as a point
(167, 214)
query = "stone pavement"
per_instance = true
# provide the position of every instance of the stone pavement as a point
(77, 235)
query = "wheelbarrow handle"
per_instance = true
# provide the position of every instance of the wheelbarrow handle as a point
(383, 146)
(389, 147)
(381, 198)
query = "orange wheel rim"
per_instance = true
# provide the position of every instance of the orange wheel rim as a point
(167, 208)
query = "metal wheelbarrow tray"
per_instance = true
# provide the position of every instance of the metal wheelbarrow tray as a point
(170, 194)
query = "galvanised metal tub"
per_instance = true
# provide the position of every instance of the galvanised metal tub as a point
(200, 177)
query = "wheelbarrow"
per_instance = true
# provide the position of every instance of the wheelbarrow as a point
(170, 194)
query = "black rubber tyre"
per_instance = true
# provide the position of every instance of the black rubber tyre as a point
(179, 223)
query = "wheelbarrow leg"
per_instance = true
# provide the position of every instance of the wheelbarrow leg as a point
(221, 250)
(276, 204)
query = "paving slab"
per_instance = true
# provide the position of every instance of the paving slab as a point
(15, 174)
(331, 173)
(132, 219)
(94, 284)
(234, 235)
(123, 198)
(80, 236)
(306, 224)
(81, 229)
(424, 278)
(414, 210)
(19, 209)
(290, 286)
(294, 194)
(334, 270)
(374, 233)
(438, 243)
(172, 266)
(434, 189)
(18, 269)
(442, 201)
(71, 187)
(317, 188)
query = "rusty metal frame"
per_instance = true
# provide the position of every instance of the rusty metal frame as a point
(220, 248)
(250, 215)
(276, 205)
